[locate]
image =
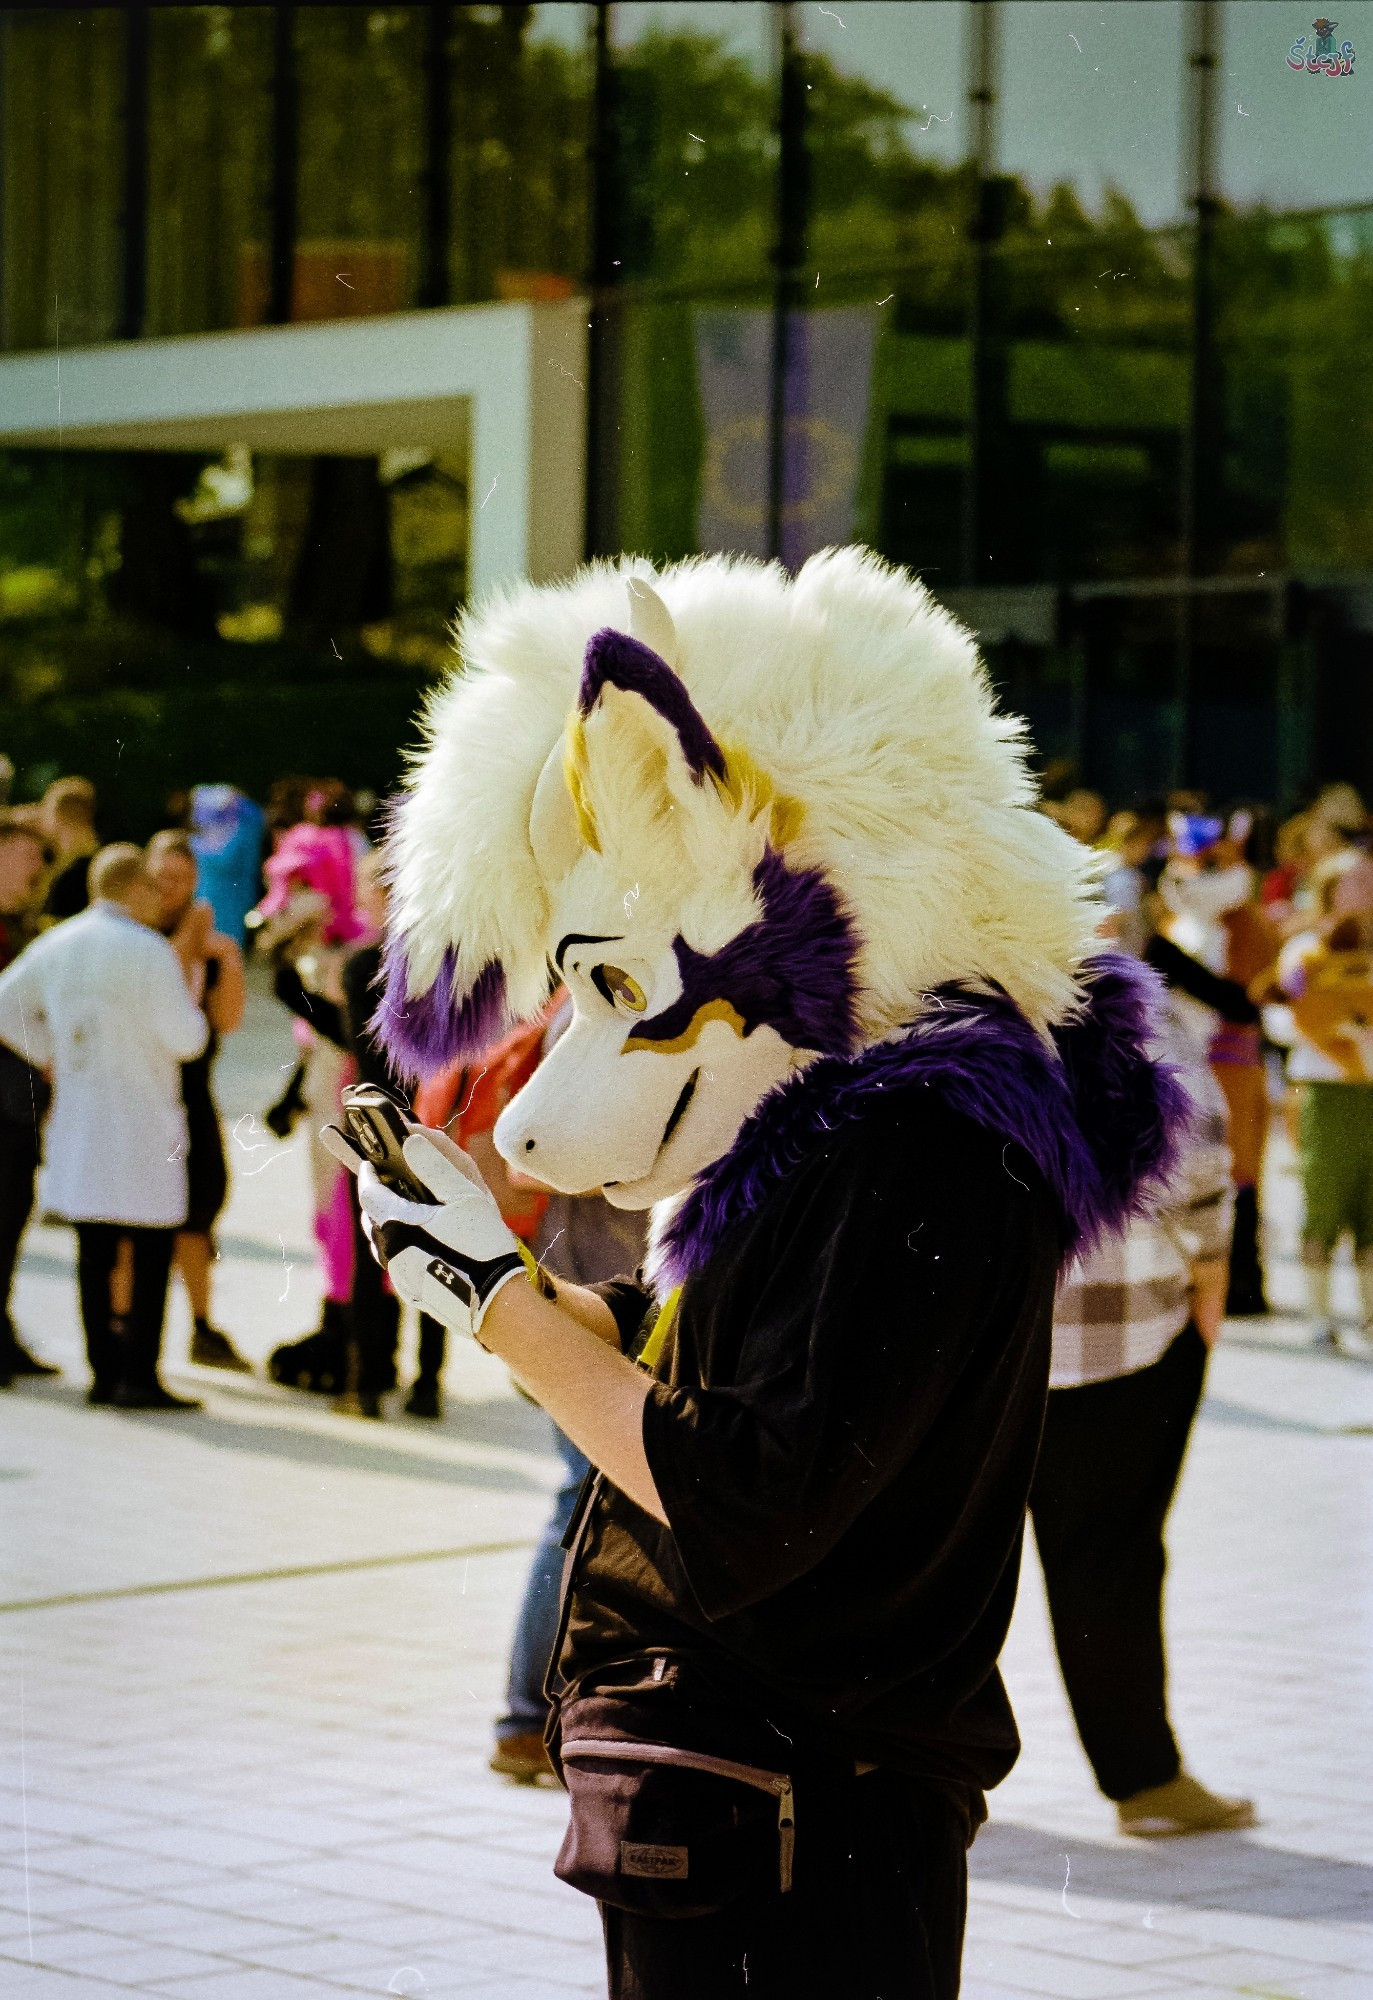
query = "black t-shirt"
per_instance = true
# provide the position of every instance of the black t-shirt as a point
(844, 1445)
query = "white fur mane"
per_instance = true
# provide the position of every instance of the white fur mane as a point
(852, 689)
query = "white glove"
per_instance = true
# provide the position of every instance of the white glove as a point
(449, 1259)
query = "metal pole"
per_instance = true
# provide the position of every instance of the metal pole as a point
(789, 251)
(436, 284)
(984, 228)
(133, 302)
(285, 148)
(603, 370)
(1201, 443)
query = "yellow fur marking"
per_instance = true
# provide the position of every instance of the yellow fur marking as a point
(748, 787)
(713, 1010)
(575, 778)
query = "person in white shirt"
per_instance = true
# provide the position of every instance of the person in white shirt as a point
(102, 1004)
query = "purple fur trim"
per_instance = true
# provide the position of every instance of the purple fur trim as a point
(792, 970)
(1103, 1124)
(423, 1032)
(636, 669)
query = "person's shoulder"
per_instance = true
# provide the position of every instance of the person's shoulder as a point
(911, 1136)
(142, 942)
(66, 935)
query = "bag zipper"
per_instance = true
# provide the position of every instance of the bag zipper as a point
(775, 1782)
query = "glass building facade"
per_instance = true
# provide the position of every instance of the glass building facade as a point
(1069, 308)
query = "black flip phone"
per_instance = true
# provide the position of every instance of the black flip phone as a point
(375, 1121)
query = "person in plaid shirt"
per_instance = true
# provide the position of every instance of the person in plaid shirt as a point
(1133, 1325)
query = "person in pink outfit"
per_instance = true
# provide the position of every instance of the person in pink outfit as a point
(310, 914)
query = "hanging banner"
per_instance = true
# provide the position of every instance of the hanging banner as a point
(827, 386)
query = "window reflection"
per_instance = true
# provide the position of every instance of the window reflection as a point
(209, 169)
(61, 119)
(989, 364)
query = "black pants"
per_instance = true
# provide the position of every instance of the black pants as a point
(1107, 1473)
(18, 1170)
(131, 1356)
(374, 1316)
(432, 1348)
(876, 1912)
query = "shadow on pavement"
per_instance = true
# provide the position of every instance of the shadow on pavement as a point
(1238, 1416)
(510, 1425)
(1224, 1871)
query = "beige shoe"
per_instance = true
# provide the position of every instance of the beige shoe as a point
(1183, 1806)
(521, 1756)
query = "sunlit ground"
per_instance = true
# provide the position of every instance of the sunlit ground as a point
(269, 1782)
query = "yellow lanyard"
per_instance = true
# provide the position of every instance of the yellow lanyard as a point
(651, 1351)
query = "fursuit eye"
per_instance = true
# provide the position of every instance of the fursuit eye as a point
(619, 988)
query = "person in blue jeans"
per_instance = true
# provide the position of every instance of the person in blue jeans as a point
(581, 1238)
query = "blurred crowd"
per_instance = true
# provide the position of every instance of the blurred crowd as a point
(122, 967)
(1265, 928)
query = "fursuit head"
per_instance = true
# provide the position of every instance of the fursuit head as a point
(750, 821)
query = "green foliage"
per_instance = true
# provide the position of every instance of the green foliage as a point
(139, 747)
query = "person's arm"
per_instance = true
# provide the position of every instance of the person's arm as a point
(1198, 1210)
(1206, 1296)
(566, 1355)
(23, 1021)
(191, 941)
(1225, 997)
(322, 1015)
(174, 1016)
(228, 996)
(459, 1261)
(850, 1348)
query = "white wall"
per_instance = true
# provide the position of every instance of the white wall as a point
(504, 383)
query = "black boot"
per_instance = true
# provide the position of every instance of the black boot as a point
(15, 1358)
(1245, 1298)
(319, 1362)
(281, 1117)
(424, 1400)
(212, 1349)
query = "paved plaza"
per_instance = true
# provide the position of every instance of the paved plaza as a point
(251, 1659)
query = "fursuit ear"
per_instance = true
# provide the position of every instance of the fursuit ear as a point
(554, 832)
(616, 660)
(650, 622)
(634, 716)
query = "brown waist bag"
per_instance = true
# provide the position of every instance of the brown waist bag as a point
(681, 1802)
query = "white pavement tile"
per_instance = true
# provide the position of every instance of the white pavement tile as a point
(284, 1782)
(199, 1930)
(1208, 1992)
(242, 1983)
(1077, 1937)
(1239, 1969)
(1064, 1978)
(144, 1965)
(35, 1982)
(406, 1930)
